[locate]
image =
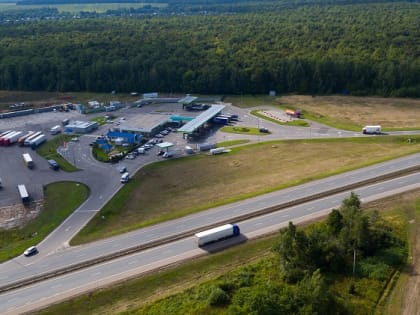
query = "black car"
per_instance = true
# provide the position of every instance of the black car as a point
(54, 165)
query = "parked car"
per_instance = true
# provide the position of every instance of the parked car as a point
(159, 135)
(30, 251)
(167, 155)
(53, 164)
(161, 152)
(130, 156)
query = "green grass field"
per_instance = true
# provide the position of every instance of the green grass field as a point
(61, 199)
(182, 188)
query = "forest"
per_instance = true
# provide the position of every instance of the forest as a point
(356, 49)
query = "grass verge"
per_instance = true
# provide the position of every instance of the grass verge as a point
(48, 150)
(182, 187)
(131, 295)
(61, 199)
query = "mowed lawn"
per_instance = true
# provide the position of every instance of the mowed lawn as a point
(173, 188)
(390, 113)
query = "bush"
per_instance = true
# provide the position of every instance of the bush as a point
(218, 297)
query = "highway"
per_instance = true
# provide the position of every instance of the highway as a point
(56, 289)
(21, 267)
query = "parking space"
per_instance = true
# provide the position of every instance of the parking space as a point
(14, 172)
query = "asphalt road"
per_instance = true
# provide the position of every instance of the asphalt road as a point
(22, 267)
(53, 290)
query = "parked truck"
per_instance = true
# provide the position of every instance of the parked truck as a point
(217, 234)
(371, 130)
(12, 138)
(21, 139)
(55, 130)
(24, 195)
(27, 159)
(221, 120)
(4, 135)
(38, 141)
(217, 151)
(28, 140)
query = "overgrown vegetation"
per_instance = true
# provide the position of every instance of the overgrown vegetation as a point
(61, 199)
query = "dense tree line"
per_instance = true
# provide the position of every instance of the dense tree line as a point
(362, 49)
(345, 243)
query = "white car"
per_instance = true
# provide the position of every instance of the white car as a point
(30, 251)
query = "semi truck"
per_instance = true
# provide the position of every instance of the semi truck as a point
(27, 159)
(221, 120)
(23, 193)
(27, 141)
(371, 130)
(11, 138)
(217, 151)
(5, 135)
(38, 141)
(55, 130)
(217, 234)
(22, 139)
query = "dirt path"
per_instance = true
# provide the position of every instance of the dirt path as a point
(411, 302)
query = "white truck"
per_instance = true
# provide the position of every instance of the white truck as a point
(217, 233)
(372, 130)
(27, 159)
(55, 130)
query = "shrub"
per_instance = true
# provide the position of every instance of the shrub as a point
(218, 297)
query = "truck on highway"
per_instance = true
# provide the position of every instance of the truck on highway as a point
(27, 159)
(217, 234)
(372, 130)
(27, 141)
(11, 138)
(38, 141)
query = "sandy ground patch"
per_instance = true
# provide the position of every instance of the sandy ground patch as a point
(388, 112)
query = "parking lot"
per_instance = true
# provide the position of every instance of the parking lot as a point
(13, 171)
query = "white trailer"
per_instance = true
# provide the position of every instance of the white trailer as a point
(217, 150)
(12, 137)
(28, 140)
(55, 130)
(23, 193)
(27, 159)
(372, 130)
(37, 141)
(217, 233)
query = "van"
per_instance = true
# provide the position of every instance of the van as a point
(53, 164)
(125, 177)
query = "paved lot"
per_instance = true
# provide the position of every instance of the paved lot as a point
(14, 172)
